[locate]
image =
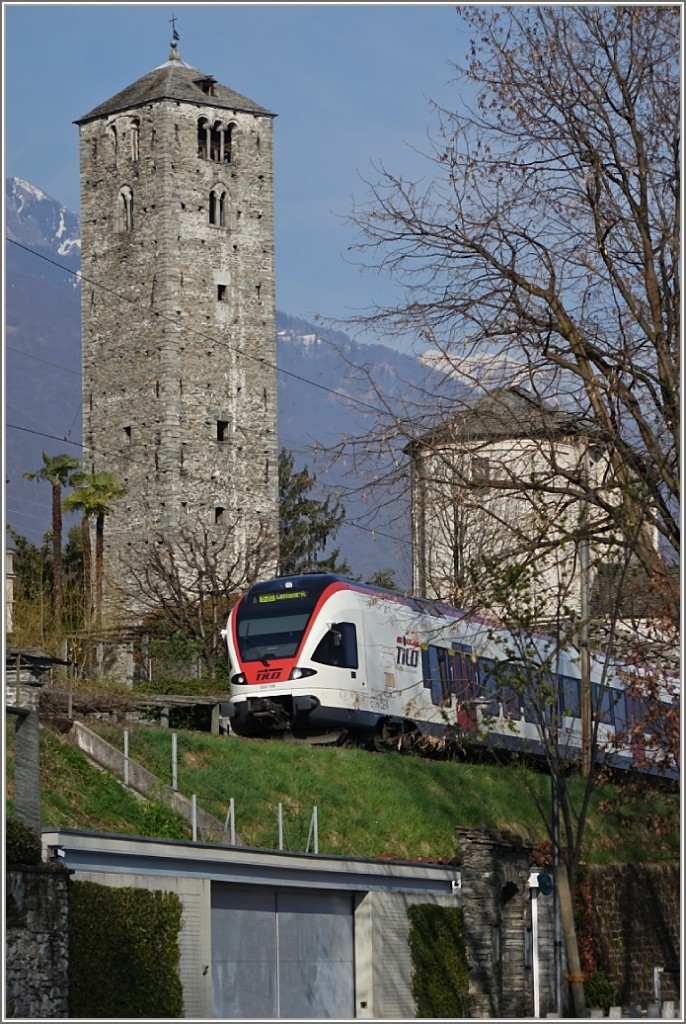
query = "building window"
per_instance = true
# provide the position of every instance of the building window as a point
(222, 293)
(113, 138)
(207, 84)
(125, 210)
(127, 436)
(481, 470)
(223, 427)
(219, 514)
(135, 134)
(215, 141)
(228, 144)
(217, 207)
(202, 138)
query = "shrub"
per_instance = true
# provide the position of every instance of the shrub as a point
(440, 983)
(22, 844)
(162, 822)
(123, 952)
(599, 991)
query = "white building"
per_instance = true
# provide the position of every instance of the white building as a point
(498, 507)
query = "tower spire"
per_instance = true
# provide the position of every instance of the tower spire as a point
(174, 53)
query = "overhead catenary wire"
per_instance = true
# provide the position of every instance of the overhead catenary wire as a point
(235, 349)
(65, 439)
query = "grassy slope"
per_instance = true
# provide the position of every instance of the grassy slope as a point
(367, 804)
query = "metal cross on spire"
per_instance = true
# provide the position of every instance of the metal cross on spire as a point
(174, 55)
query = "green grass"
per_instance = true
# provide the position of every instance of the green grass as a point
(367, 804)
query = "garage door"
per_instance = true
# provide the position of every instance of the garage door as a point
(282, 953)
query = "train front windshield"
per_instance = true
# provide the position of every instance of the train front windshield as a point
(272, 618)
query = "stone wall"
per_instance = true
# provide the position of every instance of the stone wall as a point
(637, 916)
(36, 942)
(496, 903)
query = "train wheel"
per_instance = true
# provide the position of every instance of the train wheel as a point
(400, 737)
(385, 737)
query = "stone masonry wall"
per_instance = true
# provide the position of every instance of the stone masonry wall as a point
(637, 917)
(496, 905)
(36, 942)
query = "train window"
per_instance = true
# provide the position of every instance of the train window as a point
(446, 674)
(338, 646)
(511, 701)
(465, 673)
(537, 698)
(440, 674)
(532, 707)
(488, 689)
(634, 710)
(426, 667)
(570, 696)
(619, 701)
(275, 636)
(602, 704)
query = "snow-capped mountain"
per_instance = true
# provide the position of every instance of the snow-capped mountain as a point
(35, 220)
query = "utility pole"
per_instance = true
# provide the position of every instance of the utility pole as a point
(557, 935)
(585, 663)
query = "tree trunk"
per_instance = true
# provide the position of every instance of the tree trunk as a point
(99, 565)
(57, 555)
(87, 573)
(575, 975)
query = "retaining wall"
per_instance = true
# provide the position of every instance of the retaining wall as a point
(36, 942)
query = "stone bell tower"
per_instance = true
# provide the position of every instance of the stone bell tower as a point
(178, 311)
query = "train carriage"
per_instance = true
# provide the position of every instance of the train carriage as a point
(323, 656)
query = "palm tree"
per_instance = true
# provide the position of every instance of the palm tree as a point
(92, 496)
(59, 471)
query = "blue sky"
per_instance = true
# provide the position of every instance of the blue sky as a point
(350, 84)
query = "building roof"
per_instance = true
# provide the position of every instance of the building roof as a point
(34, 657)
(174, 80)
(630, 592)
(505, 413)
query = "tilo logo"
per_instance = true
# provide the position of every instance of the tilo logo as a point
(268, 675)
(407, 652)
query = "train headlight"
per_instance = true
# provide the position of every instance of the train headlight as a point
(301, 673)
(238, 679)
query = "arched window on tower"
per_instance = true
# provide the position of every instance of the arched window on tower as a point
(202, 138)
(112, 131)
(125, 209)
(216, 142)
(228, 143)
(134, 128)
(218, 207)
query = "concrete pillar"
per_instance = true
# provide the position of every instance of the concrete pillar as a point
(27, 770)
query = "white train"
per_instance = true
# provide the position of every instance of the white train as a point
(319, 654)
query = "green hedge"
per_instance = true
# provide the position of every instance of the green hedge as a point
(22, 844)
(123, 952)
(440, 982)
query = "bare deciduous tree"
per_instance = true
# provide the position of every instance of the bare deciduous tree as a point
(190, 578)
(542, 249)
(546, 243)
